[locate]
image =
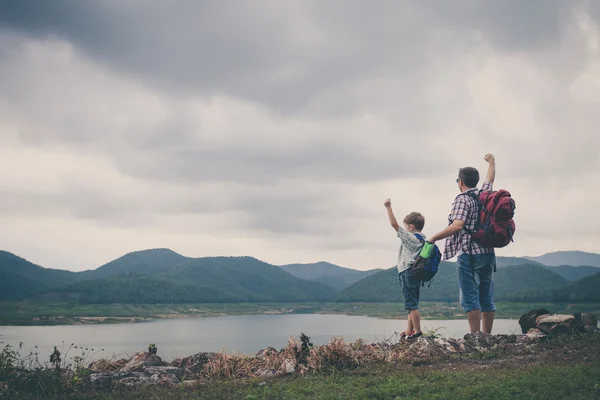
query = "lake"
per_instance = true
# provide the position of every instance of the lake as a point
(243, 333)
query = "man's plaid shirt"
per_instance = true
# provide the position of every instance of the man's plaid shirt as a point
(465, 208)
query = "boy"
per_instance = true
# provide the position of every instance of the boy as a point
(410, 246)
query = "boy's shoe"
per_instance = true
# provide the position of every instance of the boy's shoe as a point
(404, 335)
(414, 335)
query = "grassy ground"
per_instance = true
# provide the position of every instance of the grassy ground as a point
(576, 376)
(540, 382)
(29, 313)
(564, 367)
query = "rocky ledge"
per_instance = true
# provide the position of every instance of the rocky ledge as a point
(302, 357)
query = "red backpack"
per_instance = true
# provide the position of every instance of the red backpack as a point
(495, 226)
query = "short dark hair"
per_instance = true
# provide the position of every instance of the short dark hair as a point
(416, 219)
(469, 176)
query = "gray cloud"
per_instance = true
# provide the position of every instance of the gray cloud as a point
(277, 131)
(282, 56)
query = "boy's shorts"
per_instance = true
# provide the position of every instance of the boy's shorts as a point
(411, 289)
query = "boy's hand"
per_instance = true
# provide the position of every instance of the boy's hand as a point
(489, 158)
(388, 203)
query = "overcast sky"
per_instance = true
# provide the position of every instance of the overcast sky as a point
(276, 129)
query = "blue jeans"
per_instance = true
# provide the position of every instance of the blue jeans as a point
(411, 288)
(475, 276)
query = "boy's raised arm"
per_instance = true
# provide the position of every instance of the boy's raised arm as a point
(391, 216)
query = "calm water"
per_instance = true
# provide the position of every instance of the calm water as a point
(245, 333)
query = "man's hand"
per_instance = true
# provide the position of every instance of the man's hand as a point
(491, 174)
(387, 203)
(450, 230)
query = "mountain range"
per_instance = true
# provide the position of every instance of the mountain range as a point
(558, 258)
(335, 276)
(164, 276)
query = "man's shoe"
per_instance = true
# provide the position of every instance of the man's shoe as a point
(414, 336)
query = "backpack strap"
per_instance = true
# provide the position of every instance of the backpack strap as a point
(419, 236)
(422, 239)
(474, 194)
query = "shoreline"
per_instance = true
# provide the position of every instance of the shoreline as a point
(62, 314)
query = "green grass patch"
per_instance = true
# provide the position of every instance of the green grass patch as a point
(539, 382)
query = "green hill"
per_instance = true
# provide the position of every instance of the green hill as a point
(583, 291)
(570, 270)
(251, 279)
(140, 289)
(161, 275)
(210, 279)
(20, 278)
(574, 273)
(384, 286)
(525, 278)
(331, 275)
(153, 261)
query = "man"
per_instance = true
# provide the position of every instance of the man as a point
(475, 263)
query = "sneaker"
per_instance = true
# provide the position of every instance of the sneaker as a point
(404, 335)
(414, 336)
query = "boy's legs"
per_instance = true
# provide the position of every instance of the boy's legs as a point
(410, 326)
(411, 289)
(415, 317)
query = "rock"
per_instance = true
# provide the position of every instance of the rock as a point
(178, 372)
(503, 339)
(589, 320)
(479, 340)
(449, 345)
(141, 360)
(164, 379)
(194, 363)
(265, 373)
(559, 324)
(135, 381)
(107, 365)
(289, 366)
(534, 334)
(153, 375)
(107, 378)
(267, 352)
(553, 319)
(528, 320)
(427, 346)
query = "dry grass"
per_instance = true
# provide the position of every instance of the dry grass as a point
(337, 354)
(107, 365)
(304, 358)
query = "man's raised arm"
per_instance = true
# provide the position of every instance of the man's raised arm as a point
(491, 174)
